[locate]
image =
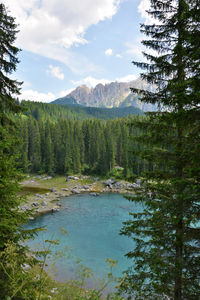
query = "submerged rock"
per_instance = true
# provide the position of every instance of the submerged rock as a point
(94, 194)
(55, 209)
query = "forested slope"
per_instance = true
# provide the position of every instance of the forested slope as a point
(54, 112)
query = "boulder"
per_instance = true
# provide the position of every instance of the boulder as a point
(35, 204)
(65, 189)
(94, 194)
(55, 209)
(75, 191)
(47, 178)
(53, 190)
(138, 182)
(26, 267)
(44, 203)
(118, 185)
(85, 187)
(25, 208)
(38, 196)
(132, 185)
(72, 177)
(109, 182)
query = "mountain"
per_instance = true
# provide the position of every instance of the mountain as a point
(114, 94)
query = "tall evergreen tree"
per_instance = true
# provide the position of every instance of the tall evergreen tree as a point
(166, 259)
(11, 218)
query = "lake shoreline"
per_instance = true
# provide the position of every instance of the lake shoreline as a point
(43, 193)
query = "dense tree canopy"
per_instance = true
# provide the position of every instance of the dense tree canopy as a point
(73, 146)
(166, 259)
(11, 219)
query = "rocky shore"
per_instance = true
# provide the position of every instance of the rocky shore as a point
(51, 190)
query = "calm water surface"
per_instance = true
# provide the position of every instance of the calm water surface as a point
(93, 225)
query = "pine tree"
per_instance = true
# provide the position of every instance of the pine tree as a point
(11, 219)
(166, 232)
(34, 148)
(48, 152)
(23, 133)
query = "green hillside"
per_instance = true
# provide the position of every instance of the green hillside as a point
(54, 112)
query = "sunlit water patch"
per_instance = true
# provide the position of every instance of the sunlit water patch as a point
(93, 225)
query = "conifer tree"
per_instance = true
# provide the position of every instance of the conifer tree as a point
(11, 219)
(166, 258)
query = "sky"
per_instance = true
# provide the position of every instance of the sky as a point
(67, 43)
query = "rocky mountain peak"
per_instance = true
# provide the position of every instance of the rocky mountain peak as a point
(114, 94)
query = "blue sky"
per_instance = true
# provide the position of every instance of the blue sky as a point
(66, 43)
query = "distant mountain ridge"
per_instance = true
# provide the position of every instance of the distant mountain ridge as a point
(114, 94)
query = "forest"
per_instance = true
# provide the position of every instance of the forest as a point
(54, 142)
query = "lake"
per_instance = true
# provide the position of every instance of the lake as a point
(93, 225)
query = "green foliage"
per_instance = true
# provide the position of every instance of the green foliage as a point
(8, 61)
(55, 112)
(166, 258)
(117, 173)
(11, 218)
(74, 146)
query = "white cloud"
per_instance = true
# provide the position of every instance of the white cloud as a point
(50, 27)
(143, 7)
(108, 52)
(118, 55)
(36, 96)
(56, 72)
(127, 78)
(65, 92)
(90, 81)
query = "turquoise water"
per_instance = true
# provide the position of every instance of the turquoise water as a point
(93, 225)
